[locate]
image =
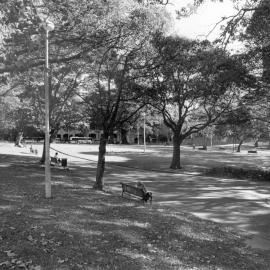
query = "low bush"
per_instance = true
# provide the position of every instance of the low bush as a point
(240, 173)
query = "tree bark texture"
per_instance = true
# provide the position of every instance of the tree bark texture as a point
(124, 136)
(19, 139)
(53, 135)
(239, 146)
(42, 160)
(99, 184)
(175, 164)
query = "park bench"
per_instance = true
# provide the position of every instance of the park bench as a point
(203, 148)
(54, 161)
(136, 192)
(252, 151)
(62, 162)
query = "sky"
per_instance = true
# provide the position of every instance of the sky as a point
(201, 23)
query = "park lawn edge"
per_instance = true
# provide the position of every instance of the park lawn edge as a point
(81, 228)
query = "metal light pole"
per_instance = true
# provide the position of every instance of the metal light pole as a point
(48, 26)
(144, 139)
(138, 134)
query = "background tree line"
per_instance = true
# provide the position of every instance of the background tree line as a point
(112, 60)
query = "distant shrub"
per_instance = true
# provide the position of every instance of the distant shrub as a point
(240, 173)
(162, 138)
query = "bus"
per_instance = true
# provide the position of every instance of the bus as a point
(81, 140)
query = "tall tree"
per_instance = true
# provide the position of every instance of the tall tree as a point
(113, 98)
(193, 85)
(240, 124)
(64, 103)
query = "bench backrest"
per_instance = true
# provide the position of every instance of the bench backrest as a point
(53, 159)
(133, 190)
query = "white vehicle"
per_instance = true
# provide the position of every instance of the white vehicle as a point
(81, 140)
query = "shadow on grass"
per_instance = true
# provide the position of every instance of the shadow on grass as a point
(80, 227)
(241, 203)
(192, 161)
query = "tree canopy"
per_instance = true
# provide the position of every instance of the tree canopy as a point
(193, 85)
(110, 59)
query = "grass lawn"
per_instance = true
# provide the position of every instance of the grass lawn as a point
(80, 228)
(158, 157)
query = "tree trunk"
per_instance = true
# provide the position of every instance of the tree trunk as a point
(124, 136)
(239, 146)
(175, 164)
(99, 184)
(204, 142)
(19, 139)
(256, 144)
(42, 160)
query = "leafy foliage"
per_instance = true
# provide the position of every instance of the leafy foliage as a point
(193, 85)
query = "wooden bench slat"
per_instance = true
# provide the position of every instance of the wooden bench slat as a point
(54, 160)
(135, 191)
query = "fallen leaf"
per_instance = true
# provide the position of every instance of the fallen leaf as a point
(29, 262)
(60, 260)
(10, 253)
(6, 263)
(30, 238)
(44, 243)
(22, 265)
(38, 267)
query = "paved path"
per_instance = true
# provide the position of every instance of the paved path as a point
(241, 203)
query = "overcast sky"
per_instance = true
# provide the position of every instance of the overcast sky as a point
(200, 24)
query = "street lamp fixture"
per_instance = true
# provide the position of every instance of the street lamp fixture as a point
(48, 26)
